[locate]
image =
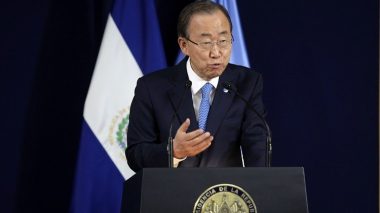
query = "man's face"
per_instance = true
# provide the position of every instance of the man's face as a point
(204, 28)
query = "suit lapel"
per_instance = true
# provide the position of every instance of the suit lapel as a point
(186, 109)
(222, 101)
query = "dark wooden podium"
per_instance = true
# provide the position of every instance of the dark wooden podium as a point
(273, 190)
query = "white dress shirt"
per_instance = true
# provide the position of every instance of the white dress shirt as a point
(196, 86)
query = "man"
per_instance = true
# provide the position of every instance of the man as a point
(213, 127)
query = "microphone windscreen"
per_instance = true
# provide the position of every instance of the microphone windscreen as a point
(228, 85)
(188, 84)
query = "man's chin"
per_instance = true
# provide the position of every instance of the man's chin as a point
(214, 74)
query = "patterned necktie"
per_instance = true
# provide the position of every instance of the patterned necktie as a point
(205, 105)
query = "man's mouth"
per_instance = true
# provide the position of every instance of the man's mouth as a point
(216, 65)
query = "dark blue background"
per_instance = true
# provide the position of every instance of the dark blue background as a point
(319, 60)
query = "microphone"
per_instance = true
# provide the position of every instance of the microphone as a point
(175, 114)
(229, 86)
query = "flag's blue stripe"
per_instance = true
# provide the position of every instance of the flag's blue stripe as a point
(239, 52)
(98, 183)
(137, 21)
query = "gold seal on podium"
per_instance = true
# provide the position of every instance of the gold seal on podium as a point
(225, 198)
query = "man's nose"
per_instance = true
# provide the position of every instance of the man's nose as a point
(215, 51)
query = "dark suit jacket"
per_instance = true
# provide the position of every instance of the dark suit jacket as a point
(230, 121)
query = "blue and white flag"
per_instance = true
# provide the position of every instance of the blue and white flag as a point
(131, 45)
(239, 53)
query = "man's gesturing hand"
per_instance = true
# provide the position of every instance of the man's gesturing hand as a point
(188, 144)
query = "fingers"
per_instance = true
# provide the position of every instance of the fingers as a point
(187, 144)
(190, 135)
(194, 134)
(200, 146)
(184, 126)
(204, 137)
(189, 148)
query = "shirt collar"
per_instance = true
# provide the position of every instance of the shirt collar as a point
(198, 82)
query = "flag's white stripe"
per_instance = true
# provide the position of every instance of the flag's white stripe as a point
(111, 90)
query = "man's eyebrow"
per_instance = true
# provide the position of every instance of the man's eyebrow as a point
(206, 34)
(209, 34)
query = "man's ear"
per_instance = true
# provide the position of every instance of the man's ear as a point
(182, 42)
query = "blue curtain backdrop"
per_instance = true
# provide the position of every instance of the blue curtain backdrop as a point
(319, 60)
